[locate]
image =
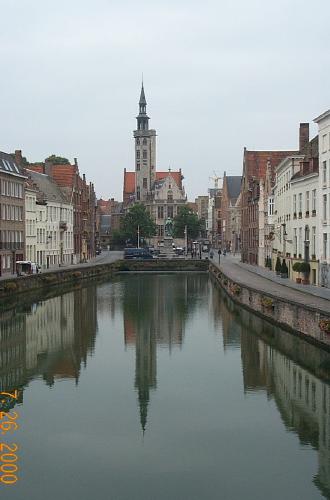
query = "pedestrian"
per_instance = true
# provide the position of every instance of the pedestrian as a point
(219, 253)
(211, 254)
(224, 252)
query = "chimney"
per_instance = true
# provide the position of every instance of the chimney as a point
(303, 135)
(18, 157)
(76, 162)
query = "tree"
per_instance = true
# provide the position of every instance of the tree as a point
(186, 217)
(137, 217)
(57, 160)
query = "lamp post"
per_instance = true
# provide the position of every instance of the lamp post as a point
(138, 236)
(186, 240)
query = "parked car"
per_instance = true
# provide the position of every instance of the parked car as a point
(179, 251)
(98, 251)
(137, 253)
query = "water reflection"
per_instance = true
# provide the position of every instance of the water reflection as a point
(155, 310)
(50, 338)
(290, 371)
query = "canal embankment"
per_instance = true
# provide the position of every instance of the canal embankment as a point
(62, 277)
(304, 314)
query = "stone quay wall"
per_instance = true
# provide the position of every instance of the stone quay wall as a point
(309, 322)
(62, 277)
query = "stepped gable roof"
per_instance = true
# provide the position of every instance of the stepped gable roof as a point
(9, 166)
(234, 186)
(47, 186)
(256, 161)
(129, 179)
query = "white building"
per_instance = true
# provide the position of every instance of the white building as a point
(323, 122)
(296, 215)
(54, 223)
(30, 223)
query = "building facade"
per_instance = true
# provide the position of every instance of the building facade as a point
(323, 122)
(162, 193)
(30, 223)
(12, 214)
(230, 192)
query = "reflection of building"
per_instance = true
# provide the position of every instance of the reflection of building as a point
(302, 398)
(155, 311)
(50, 338)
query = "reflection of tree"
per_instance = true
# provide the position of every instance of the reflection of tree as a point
(289, 370)
(50, 338)
(156, 308)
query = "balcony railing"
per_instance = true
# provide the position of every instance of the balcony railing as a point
(9, 245)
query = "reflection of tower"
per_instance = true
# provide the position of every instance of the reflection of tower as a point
(155, 311)
(145, 371)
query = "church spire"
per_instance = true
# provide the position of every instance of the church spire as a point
(142, 118)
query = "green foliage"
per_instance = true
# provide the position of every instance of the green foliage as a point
(186, 217)
(278, 265)
(137, 216)
(297, 267)
(10, 286)
(118, 237)
(57, 160)
(305, 267)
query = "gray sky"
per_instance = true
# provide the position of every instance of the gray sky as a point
(219, 75)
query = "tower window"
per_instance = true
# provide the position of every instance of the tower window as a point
(145, 183)
(144, 142)
(138, 166)
(138, 154)
(138, 193)
(137, 141)
(145, 154)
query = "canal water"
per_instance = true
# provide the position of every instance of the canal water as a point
(157, 387)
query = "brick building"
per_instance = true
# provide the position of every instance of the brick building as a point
(255, 166)
(79, 193)
(12, 216)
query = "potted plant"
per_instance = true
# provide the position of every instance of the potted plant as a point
(305, 269)
(278, 266)
(296, 267)
(284, 269)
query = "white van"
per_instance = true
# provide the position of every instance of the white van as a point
(26, 267)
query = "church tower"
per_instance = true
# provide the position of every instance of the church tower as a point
(145, 153)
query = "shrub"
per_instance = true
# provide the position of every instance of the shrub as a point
(324, 325)
(305, 267)
(267, 302)
(297, 267)
(10, 286)
(278, 265)
(235, 289)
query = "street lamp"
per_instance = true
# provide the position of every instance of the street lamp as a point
(138, 236)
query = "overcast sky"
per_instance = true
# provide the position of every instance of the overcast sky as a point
(218, 76)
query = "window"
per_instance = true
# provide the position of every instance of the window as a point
(324, 143)
(325, 246)
(145, 154)
(144, 142)
(138, 193)
(313, 240)
(271, 206)
(170, 211)
(295, 241)
(300, 202)
(307, 201)
(170, 197)
(138, 166)
(324, 172)
(138, 142)
(160, 212)
(138, 154)
(145, 183)
(294, 203)
(314, 200)
(325, 205)
(300, 241)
